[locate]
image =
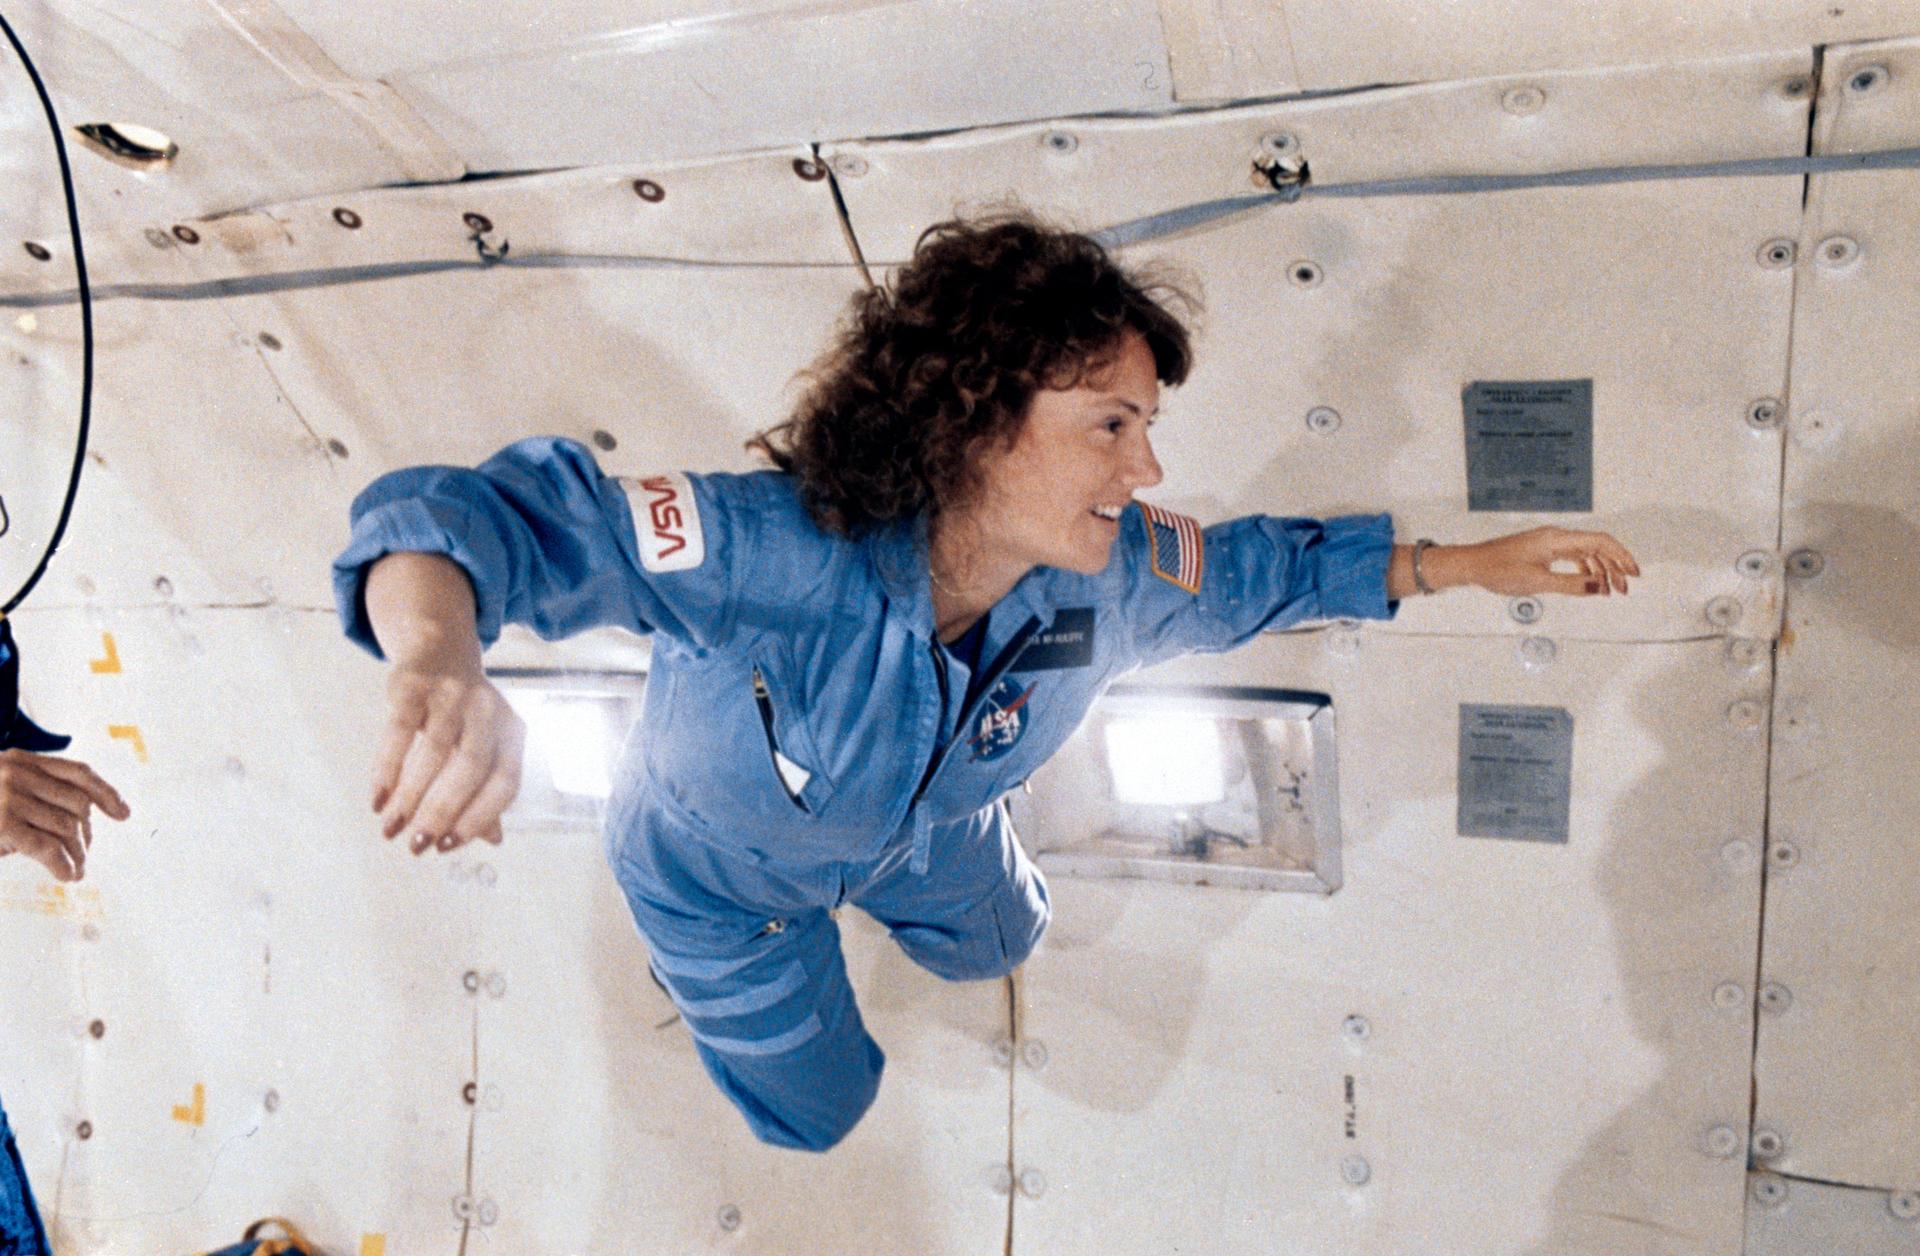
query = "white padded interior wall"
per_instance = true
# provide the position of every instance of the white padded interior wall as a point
(1843, 880)
(1540, 1017)
(1653, 290)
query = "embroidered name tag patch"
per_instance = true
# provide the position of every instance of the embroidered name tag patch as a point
(1066, 642)
(1174, 547)
(666, 522)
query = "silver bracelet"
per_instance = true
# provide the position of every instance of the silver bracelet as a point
(1419, 577)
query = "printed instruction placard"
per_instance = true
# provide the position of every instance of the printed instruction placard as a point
(1529, 445)
(1516, 772)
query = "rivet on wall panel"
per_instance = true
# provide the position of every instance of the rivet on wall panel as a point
(1521, 101)
(158, 238)
(1754, 564)
(463, 1207)
(1304, 274)
(728, 1217)
(1059, 142)
(496, 985)
(1526, 610)
(186, 234)
(1729, 996)
(1838, 251)
(1775, 998)
(469, 1094)
(1868, 78)
(38, 252)
(1796, 87)
(604, 440)
(1806, 564)
(649, 191)
(1777, 254)
(1737, 853)
(808, 169)
(84, 1130)
(1001, 1178)
(337, 447)
(1769, 1191)
(477, 222)
(1746, 715)
(1904, 1204)
(1722, 1141)
(346, 218)
(849, 165)
(271, 1101)
(1323, 419)
(163, 586)
(1356, 1028)
(1769, 1144)
(1764, 415)
(1279, 144)
(1784, 855)
(1744, 654)
(98, 1029)
(1537, 653)
(1724, 612)
(1356, 1170)
(471, 980)
(487, 1212)
(1033, 1183)
(1034, 1052)
(1003, 1052)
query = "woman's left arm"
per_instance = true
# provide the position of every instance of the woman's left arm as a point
(1519, 564)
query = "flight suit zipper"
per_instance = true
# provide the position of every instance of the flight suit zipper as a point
(764, 700)
(1000, 667)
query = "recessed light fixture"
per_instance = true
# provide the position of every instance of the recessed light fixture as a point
(576, 724)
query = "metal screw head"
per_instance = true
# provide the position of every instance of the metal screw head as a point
(268, 341)
(98, 1029)
(1775, 997)
(849, 165)
(1744, 654)
(336, 447)
(186, 234)
(1728, 996)
(649, 191)
(1837, 251)
(1002, 1179)
(1537, 653)
(1060, 142)
(1769, 1191)
(271, 1101)
(463, 1207)
(1784, 855)
(1796, 87)
(163, 586)
(1746, 715)
(1806, 563)
(1033, 1183)
(1280, 143)
(1722, 1141)
(1525, 610)
(1724, 612)
(478, 223)
(1520, 101)
(604, 440)
(1904, 1204)
(1754, 564)
(1356, 1170)
(1869, 78)
(809, 169)
(1304, 274)
(1767, 1144)
(1356, 1028)
(1777, 254)
(470, 1094)
(347, 218)
(1003, 1052)
(84, 1130)
(471, 980)
(1764, 415)
(1034, 1052)
(37, 251)
(728, 1217)
(1323, 419)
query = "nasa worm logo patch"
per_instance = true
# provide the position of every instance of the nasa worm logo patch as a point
(1003, 721)
(666, 522)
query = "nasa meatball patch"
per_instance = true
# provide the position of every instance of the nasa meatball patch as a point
(666, 522)
(1002, 723)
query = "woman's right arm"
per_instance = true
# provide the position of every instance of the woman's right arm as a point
(449, 762)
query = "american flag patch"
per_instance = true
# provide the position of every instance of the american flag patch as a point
(1173, 547)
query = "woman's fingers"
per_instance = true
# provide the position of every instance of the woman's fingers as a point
(79, 786)
(56, 847)
(407, 696)
(481, 819)
(458, 770)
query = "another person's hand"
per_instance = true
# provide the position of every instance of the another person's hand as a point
(45, 810)
(1523, 563)
(450, 762)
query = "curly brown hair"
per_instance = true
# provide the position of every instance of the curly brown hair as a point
(926, 372)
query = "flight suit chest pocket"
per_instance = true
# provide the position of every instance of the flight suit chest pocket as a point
(792, 757)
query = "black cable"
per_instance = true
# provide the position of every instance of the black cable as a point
(86, 324)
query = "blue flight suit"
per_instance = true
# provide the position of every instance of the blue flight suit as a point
(805, 740)
(20, 1232)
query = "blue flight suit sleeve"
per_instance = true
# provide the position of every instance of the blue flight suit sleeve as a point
(548, 541)
(1257, 574)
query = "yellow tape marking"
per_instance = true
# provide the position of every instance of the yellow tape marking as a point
(196, 1112)
(131, 733)
(110, 665)
(373, 1245)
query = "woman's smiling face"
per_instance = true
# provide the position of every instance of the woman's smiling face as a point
(1053, 497)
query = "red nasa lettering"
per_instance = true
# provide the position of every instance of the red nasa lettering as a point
(667, 520)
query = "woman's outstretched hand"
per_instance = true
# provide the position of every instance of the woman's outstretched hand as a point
(449, 763)
(1523, 563)
(46, 810)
